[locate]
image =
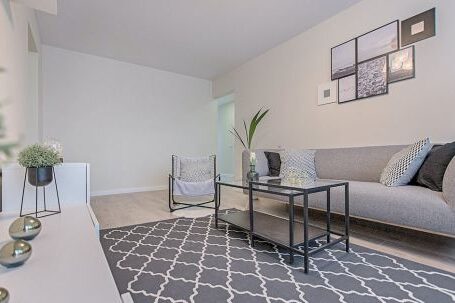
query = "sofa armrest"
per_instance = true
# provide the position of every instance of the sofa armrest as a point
(448, 184)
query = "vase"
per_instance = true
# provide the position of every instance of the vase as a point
(252, 175)
(40, 176)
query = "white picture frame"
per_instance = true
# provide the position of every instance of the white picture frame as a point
(327, 93)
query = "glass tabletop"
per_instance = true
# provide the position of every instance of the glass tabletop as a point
(280, 186)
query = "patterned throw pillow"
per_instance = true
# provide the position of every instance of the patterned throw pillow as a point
(298, 164)
(404, 164)
(196, 169)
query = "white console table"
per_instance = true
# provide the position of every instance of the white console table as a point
(73, 180)
(67, 262)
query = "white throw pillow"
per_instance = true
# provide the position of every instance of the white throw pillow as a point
(298, 164)
(403, 165)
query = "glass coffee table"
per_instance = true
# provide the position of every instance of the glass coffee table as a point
(287, 233)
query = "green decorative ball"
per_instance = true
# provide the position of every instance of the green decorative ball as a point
(25, 228)
(15, 253)
(4, 295)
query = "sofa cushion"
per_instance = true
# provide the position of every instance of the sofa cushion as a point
(298, 164)
(403, 166)
(448, 186)
(412, 206)
(262, 167)
(431, 174)
(354, 163)
(274, 161)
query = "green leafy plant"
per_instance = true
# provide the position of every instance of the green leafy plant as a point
(37, 155)
(249, 132)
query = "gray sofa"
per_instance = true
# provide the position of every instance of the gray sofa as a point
(408, 206)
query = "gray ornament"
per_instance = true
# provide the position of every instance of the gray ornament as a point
(15, 253)
(4, 295)
(25, 228)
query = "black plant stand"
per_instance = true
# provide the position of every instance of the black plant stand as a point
(45, 212)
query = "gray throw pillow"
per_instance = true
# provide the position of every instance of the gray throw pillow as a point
(298, 164)
(274, 162)
(403, 166)
(431, 174)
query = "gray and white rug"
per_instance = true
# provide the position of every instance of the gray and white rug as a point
(188, 260)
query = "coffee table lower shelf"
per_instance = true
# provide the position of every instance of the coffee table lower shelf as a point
(276, 230)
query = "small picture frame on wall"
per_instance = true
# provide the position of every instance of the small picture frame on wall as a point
(380, 41)
(401, 64)
(347, 89)
(419, 27)
(372, 78)
(327, 93)
(343, 59)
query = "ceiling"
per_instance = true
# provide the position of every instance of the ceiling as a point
(200, 38)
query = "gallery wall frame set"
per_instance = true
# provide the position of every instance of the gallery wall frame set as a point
(369, 70)
(364, 66)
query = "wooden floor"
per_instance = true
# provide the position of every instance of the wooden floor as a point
(129, 209)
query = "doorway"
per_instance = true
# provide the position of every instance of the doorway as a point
(32, 102)
(225, 140)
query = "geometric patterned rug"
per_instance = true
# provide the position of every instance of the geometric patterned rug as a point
(188, 260)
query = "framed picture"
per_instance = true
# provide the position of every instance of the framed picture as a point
(419, 27)
(401, 64)
(372, 78)
(343, 59)
(378, 42)
(327, 93)
(347, 89)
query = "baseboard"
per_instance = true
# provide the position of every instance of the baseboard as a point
(95, 222)
(126, 298)
(127, 190)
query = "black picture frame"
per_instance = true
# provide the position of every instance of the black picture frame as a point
(386, 90)
(359, 39)
(355, 60)
(411, 76)
(429, 23)
(355, 88)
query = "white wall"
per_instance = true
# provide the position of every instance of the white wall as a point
(18, 107)
(286, 79)
(126, 120)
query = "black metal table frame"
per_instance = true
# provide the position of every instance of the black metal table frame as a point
(305, 192)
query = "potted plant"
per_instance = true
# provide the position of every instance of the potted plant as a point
(39, 161)
(249, 134)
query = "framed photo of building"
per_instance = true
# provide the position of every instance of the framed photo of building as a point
(380, 41)
(347, 89)
(401, 64)
(419, 27)
(372, 78)
(343, 59)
